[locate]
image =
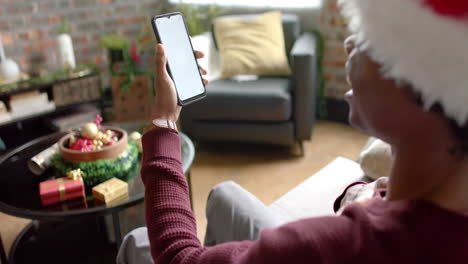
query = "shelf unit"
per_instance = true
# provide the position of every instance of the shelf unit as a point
(20, 129)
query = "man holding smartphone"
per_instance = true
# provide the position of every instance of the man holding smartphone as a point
(399, 93)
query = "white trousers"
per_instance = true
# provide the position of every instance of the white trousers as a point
(233, 214)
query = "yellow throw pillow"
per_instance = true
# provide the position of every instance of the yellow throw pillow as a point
(252, 46)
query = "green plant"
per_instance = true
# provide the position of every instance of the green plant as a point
(64, 27)
(117, 42)
(197, 17)
(114, 41)
(321, 99)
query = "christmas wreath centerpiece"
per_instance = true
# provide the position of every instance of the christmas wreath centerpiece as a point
(99, 152)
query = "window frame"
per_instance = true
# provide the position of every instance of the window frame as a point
(245, 3)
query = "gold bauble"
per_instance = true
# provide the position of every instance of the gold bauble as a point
(136, 136)
(90, 131)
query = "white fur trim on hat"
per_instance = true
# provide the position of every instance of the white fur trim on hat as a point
(416, 45)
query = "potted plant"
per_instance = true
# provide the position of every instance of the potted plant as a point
(199, 18)
(115, 44)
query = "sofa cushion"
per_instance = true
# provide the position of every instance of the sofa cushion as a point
(291, 28)
(252, 47)
(246, 132)
(265, 99)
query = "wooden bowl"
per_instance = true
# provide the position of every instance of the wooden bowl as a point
(108, 152)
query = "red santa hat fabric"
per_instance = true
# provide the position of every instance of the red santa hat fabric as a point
(420, 42)
(451, 8)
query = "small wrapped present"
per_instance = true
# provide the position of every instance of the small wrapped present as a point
(62, 189)
(110, 190)
(116, 201)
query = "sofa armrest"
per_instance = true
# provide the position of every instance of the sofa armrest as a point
(316, 195)
(211, 62)
(304, 77)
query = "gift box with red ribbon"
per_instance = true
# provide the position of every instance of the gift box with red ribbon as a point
(61, 189)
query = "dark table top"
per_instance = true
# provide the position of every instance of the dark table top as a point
(19, 188)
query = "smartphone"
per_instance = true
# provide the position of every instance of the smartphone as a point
(171, 31)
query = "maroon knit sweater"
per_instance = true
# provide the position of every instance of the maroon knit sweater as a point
(380, 232)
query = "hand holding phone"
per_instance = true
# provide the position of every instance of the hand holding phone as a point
(182, 67)
(166, 105)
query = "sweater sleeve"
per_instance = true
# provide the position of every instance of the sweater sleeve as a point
(172, 229)
(170, 220)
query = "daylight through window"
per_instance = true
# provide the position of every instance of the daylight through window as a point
(258, 3)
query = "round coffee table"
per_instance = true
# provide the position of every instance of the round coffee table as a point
(19, 189)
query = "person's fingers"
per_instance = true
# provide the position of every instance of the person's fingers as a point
(349, 44)
(199, 54)
(381, 183)
(161, 61)
(364, 196)
(202, 70)
(205, 82)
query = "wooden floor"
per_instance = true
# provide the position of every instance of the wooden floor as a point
(267, 172)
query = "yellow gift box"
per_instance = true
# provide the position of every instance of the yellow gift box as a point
(110, 190)
(118, 200)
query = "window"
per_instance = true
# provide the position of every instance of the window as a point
(258, 3)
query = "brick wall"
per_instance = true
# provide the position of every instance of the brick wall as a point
(334, 32)
(29, 28)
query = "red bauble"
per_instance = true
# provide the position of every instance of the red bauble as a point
(452, 8)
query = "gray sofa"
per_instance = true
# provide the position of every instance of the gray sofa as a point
(270, 110)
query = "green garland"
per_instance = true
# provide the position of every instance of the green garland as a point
(100, 171)
(322, 100)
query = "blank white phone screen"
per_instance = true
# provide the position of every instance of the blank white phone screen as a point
(184, 68)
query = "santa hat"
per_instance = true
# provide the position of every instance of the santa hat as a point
(420, 42)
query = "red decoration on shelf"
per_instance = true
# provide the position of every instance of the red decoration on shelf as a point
(453, 8)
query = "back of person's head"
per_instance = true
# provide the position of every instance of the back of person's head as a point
(421, 45)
